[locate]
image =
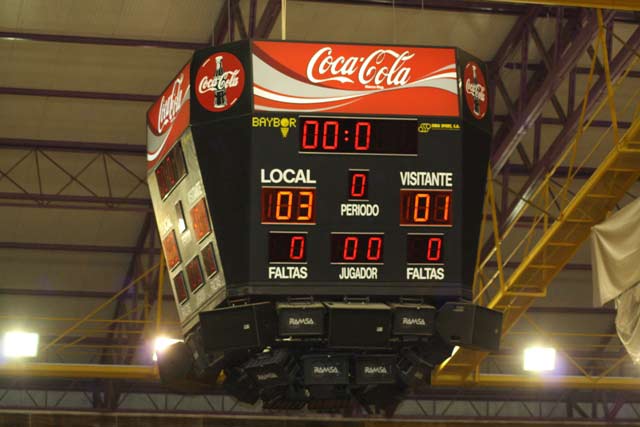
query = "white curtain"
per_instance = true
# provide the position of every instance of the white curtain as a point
(615, 254)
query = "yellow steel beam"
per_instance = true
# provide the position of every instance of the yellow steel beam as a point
(524, 381)
(597, 4)
(70, 370)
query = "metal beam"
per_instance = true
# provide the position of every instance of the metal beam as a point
(547, 381)
(57, 93)
(73, 146)
(46, 198)
(509, 139)
(65, 247)
(106, 41)
(598, 91)
(630, 5)
(70, 370)
(65, 293)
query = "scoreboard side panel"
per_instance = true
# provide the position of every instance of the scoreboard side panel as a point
(223, 153)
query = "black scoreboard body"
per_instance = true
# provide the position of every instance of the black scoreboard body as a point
(319, 207)
(291, 222)
(345, 204)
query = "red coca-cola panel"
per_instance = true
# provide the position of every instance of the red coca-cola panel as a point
(168, 117)
(362, 79)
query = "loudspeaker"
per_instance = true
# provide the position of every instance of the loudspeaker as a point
(239, 385)
(325, 369)
(410, 319)
(359, 325)
(374, 369)
(175, 367)
(271, 369)
(413, 370)
(206, 366)
(468, 325)
(239, 327)
(300, 319)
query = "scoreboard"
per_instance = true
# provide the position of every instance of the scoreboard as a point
(281, 170)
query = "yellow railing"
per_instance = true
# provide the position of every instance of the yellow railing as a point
(558, 220)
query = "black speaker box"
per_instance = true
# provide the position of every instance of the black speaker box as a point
(354, 325)
(468, 325)
(300, 319)
(411, 319)
(380, 369)
(271, 369)
(239, 327)
(325, 369)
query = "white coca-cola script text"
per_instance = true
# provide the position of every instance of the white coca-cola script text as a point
(170, 106)
(383, 67)
(476, 90)
(225, 81)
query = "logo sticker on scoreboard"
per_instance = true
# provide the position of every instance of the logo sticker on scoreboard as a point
(360, 79)
(168, 117)
(220, 81)
(475, 90)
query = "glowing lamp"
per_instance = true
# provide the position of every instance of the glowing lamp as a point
(539, 359)
(17, 344)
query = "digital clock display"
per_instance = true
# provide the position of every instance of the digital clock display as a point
(357, 248)
(338, 135)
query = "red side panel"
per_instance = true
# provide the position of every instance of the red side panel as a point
(358, 79)
(168, 117)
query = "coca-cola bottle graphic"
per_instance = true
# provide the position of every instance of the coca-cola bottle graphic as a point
(476, 92)
(220, 92)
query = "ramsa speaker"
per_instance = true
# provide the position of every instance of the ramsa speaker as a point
(375, 369)
(325, 369)
(300, 319)
(412, 319)
(239, 327)
(468, 325)
(354, 325)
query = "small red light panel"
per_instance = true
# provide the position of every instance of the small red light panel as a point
(287, 247)
(171, 251)
(194, 273)
(181, 289)
(200, 220)
(366, 135)
(425, 249)
(209, 258)
(293, 205)
(358, 188)
(426, 207)
(357, 248)
(171, 170)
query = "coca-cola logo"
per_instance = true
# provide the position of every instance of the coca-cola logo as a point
(219, 81)
(475, 90)
(170, 105)
(382, 68)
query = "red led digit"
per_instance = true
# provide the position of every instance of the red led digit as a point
(296, 248)
(334, 137)
(306, 133)
(306, 206)
(374, 248)
(358, 185)
(280, 204)
(347, 253)
(421, 203)
(362, 144)
(434, 248)
(441, 207)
